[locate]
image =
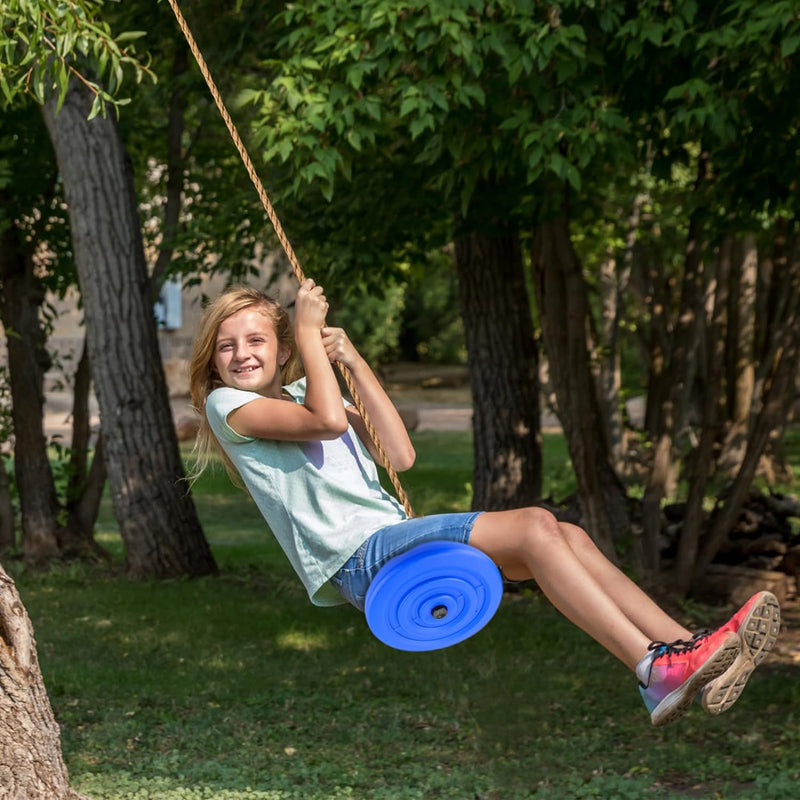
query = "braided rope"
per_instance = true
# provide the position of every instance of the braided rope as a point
(286, 244)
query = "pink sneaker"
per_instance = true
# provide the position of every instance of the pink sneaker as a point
(671, 675)
(757, 624)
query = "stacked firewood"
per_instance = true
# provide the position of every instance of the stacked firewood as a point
(762, 551)
(764, 537)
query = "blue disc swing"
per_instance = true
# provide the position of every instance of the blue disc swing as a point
(439, 593)
(435, 595)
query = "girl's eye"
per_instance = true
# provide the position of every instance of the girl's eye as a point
(225, 346)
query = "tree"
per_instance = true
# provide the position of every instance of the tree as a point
(31, 764)
(28, 360)
(33, 234)
(157, 518)
(720, 75)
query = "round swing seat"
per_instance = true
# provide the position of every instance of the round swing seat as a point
(433, 596)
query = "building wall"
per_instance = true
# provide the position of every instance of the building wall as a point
(66, 341)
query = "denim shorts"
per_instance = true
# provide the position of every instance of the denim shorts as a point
(354, 578)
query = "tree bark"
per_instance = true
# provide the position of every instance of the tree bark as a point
(778, 397)
(614, 282)
(678, 375)
(85, 483)
(175, 166)
(27, 363)
(563, 310)
(157, 518)
(702, 461)
(503, 362)
(7, 535)
(31, 764)
(741, 338)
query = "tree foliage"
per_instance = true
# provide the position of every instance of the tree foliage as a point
(462, 90)
(46, 43)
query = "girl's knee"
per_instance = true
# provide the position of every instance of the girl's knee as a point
(576, 536)
(538, 529)
(541, 522)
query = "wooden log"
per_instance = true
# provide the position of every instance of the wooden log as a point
(738, 584)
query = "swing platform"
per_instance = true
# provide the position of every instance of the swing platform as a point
(436, 595)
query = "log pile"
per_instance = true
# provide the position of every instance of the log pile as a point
(762, 551)
(763, 537)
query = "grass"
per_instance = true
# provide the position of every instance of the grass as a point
(236, 687)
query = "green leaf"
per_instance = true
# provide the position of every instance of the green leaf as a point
(97, 107)
(129, 36)
(789, 46)
(409, 104)
(6, 89)
(63, 84)
(419, 125)
(284, 150)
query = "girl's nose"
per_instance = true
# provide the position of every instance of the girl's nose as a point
(239, 352)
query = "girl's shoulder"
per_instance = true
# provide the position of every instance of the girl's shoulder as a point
(297, 389)
(225, 399)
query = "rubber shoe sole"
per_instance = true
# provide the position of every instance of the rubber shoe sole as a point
(677, 702)
(758, 633)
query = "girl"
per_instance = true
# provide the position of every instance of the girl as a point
(306, 459)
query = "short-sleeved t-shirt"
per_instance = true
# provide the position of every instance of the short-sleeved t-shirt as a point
(321, 499)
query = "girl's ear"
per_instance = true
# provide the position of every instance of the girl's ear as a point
(284, 352)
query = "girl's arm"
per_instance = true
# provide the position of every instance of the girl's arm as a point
(322, 414)
(382, 412)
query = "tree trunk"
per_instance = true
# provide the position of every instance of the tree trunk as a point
(7, 526)
(563, 311)
(27, 363)
(31, 764)
(775, 408)
(741, 338)
(85, 483)
(614, 282)
(175, 166)
(82, 513)
(774, 307)
(679, 376)
(157, 518)
(504, 373)
(7, 537)
(701, 464)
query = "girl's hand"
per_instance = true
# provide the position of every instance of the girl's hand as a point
(338, 346)
(311, 306)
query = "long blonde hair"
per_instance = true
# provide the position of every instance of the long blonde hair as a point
(203, 377)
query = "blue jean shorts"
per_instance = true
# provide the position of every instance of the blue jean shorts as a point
(354, 578)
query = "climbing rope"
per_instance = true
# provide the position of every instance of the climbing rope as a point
(285, 244)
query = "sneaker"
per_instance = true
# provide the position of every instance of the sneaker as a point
(757, 624)
(671, 675)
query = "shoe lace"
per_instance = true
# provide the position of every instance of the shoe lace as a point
(678, 646)
(668, 649)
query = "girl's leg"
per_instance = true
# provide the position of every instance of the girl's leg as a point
(531, 543)
(637, 606)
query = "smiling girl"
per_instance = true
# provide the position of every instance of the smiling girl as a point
(304, 456)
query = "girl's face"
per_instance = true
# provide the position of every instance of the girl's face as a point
(247, 354)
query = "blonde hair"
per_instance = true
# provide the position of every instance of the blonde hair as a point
(203, 377)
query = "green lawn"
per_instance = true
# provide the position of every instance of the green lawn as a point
(236, 687)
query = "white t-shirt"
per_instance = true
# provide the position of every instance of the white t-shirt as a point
(321, 499)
